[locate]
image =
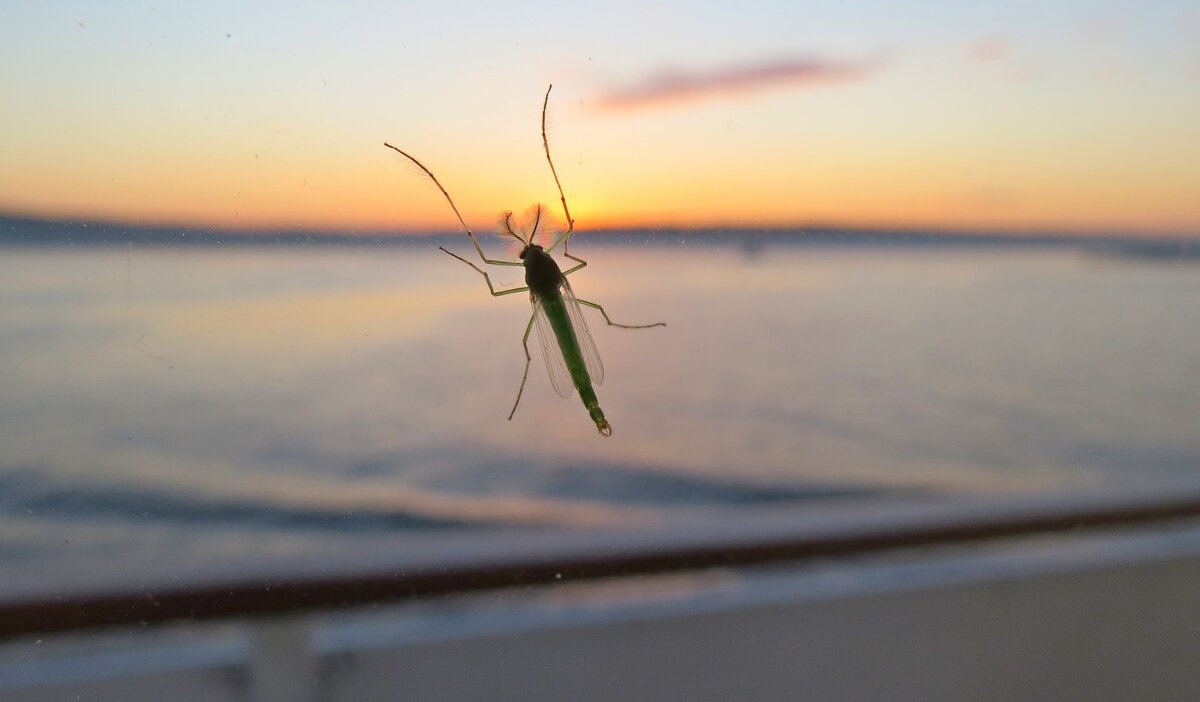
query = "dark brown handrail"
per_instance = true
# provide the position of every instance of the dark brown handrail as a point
(493, 561)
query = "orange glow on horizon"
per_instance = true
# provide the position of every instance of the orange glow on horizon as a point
(642, 184)
(606, 193)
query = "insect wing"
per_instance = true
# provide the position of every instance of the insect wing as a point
(556, 365)
(591, 357)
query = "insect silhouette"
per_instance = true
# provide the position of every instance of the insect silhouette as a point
(572, 360)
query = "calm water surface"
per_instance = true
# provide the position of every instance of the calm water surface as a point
(161, 405)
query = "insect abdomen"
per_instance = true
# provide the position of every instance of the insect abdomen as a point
(568, 342)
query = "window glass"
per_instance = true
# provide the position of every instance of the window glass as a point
(934, 253)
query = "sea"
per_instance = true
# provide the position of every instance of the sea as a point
(165, 404)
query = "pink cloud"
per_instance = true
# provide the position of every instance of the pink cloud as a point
(671, 87)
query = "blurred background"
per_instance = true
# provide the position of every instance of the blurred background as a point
(937, 250)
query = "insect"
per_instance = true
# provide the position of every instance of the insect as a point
(567, 347)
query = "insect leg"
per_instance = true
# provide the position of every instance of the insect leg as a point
(564, 237)
(486, 279)
(528, 359)
(611, 323)
(578, 260)
(614, 324)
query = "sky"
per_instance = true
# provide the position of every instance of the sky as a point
(1070, 116)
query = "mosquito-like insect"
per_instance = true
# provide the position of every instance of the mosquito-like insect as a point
(567, 347)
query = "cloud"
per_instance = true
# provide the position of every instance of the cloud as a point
(673, 86)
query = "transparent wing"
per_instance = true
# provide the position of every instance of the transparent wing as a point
(591, 357)
(556, 365)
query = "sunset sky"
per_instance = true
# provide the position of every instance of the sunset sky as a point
(1027, 116)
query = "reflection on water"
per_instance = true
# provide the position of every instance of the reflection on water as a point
(169, 401)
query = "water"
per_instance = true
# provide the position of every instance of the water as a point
(163, 406)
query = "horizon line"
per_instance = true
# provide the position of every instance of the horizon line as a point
(401, 231)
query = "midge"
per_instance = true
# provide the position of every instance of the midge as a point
(571, 357)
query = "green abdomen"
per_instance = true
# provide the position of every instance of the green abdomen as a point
(568, 342)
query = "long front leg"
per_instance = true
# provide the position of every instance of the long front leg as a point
(486, 279)
(528, 358)
(614, 324)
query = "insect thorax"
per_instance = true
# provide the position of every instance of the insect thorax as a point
(542, 274)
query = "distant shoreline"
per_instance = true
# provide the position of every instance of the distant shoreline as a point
(29, 231)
